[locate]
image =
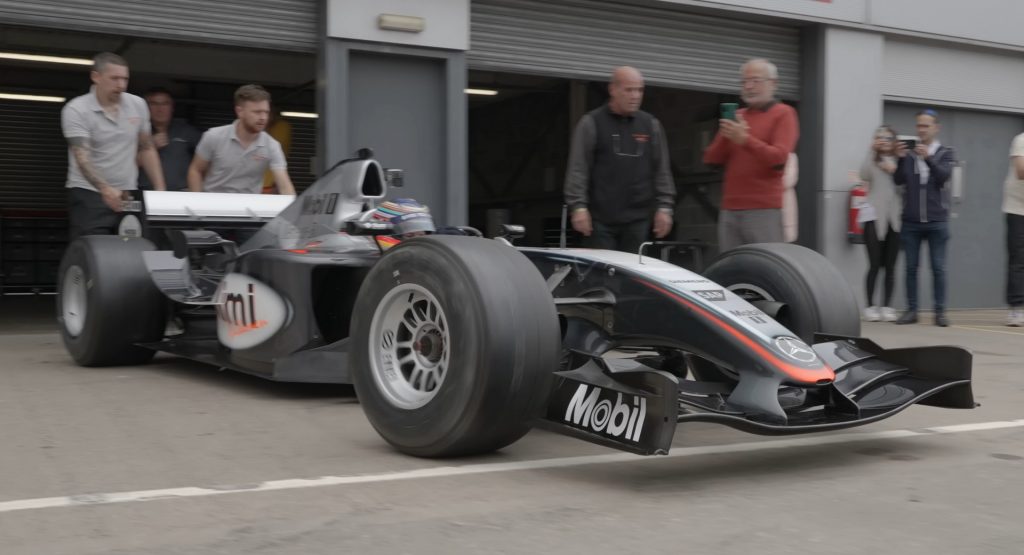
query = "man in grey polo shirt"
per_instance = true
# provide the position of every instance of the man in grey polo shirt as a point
(233, 158)
(108, 136)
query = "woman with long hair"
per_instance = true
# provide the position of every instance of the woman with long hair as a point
(881, 222)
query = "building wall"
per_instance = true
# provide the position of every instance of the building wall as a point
(850, 108)
(994, 22)
(400, 93)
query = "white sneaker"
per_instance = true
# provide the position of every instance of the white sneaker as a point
(889, 314)
(871, 314)
(1016, 317)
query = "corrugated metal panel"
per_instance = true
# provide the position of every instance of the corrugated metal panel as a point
(977, 79)
(33, 156)
(586, 38)
(275, 24)
(303, 142)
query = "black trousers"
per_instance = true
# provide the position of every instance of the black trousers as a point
(1015, 260)
(619, 237)
(89, 215)
(882, 254)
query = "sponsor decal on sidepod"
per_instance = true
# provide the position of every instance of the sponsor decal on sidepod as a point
(248, 312)
(618, 419)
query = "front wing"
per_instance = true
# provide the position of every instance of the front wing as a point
(624, 404)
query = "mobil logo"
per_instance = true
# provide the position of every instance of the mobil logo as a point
(592, 408)
(249, 312)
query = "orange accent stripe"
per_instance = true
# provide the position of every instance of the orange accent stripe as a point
(803, 375)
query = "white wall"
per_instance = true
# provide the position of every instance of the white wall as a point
(447, 22)
(990, 21)
(852, 106)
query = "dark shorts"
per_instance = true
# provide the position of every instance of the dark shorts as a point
(89, 215)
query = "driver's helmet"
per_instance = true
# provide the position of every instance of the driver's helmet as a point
(407, 217)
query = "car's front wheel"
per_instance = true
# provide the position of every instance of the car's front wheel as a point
(454, 342)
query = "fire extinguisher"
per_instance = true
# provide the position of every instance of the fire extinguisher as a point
(858, 199)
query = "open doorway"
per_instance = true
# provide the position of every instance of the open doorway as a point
(519, 145)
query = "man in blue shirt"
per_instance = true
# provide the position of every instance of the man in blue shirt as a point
(924, 172)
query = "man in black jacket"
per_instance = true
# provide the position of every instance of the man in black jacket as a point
(924, 172)
(618, 179)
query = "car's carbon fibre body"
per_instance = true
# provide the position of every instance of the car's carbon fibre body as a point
(746, 370)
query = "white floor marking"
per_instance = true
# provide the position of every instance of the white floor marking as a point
(1003, 331)
(485, 468)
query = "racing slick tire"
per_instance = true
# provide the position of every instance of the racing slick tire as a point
(817, 297)
(454, 344)
(107, 302)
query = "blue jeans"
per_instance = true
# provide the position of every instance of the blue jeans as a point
(937, 235)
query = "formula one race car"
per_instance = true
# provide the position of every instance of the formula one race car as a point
(460, 344)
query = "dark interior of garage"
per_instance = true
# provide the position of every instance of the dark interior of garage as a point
(519, 144)
(33, 153)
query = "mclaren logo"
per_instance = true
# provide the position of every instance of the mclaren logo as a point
(795, 349)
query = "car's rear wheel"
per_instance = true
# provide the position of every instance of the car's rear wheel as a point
(809, 293)
(454, 342)
(107, 302)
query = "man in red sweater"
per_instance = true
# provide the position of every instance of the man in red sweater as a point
(753, 149)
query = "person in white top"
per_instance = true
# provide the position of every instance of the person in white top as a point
(1013, 206)
(881, 221)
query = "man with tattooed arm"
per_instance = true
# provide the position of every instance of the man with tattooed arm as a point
(108, 134)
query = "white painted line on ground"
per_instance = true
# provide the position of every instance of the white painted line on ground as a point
(986, 328)
(485, 468)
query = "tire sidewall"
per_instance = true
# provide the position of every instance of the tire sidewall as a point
(816, 293)
(80, 347)
(123, 305)
(458, 396)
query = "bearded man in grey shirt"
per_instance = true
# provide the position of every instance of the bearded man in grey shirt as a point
(233, 158)
(108, 135)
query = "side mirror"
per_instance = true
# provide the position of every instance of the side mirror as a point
(512, 232)
(394, 178)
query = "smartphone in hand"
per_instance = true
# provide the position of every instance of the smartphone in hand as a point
(728, 110)
(909, 140)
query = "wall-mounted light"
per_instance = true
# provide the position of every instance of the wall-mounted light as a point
(481, 92)
(307, 115)
(404, 23)
(31, 97)
(45, 59)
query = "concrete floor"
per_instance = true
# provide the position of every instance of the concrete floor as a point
(206, 462)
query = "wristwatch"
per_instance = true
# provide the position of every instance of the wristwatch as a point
(667, 210)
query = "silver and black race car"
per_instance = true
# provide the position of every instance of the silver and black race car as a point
(460, 344)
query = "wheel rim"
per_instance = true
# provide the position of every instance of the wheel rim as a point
(73, 297)
(410, 346)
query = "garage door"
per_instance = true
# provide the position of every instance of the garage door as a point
(33, 156)
(585, 38)
(274, 24)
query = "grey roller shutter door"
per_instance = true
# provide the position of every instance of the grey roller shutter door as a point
(586, 38)
(33, 156)
(272, 24)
